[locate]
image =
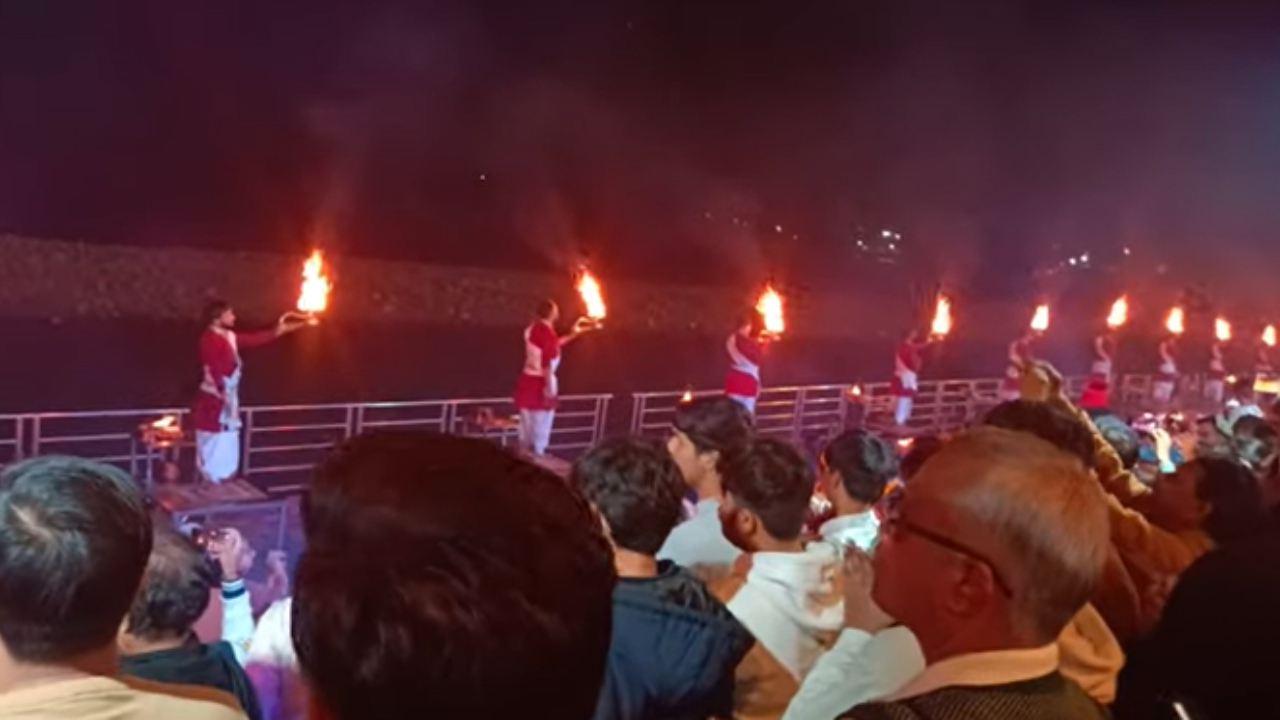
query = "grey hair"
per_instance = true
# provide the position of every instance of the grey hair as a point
(1047, 516)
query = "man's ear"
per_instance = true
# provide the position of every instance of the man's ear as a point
(709, 460)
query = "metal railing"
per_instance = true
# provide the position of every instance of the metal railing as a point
(280, 444)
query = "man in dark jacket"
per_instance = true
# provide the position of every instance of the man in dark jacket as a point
(158, 643)
(674, 646)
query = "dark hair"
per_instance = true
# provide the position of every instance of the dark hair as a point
(1256, 444)
(545, 308)
(1120, 436)
(1056, 427)
(636, 486)
(175, 588)
(866, 463)
(1236, 511)
(715, 424)
(922, 448)
(754, 320)
(74, 540)
(445, 577)
(772, 480)
(214, 309)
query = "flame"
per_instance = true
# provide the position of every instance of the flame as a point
(906, 442)
(942, 317)
(1040, 321)
(589, 289)
(1119, 313)
(1222, 329)
(167, 422)
(314, 296)
(1269, 336)
(1176, 322)
(855, 391)
(688, 395)
(770, 307)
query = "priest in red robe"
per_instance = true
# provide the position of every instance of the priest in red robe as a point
(537, 389)
(907, 363)
(746, 350)
(216, 411)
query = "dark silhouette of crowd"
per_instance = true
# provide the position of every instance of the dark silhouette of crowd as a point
(1045, 563)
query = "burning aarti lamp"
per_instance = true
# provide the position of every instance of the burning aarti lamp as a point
(313, 298)
(593, 299)
(163, 433)
(771, 310)
(941, 326)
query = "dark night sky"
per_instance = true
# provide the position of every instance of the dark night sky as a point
(519, 133)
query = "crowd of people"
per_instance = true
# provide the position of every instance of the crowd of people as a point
(1048, 563)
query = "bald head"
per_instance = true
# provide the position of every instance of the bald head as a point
(1029, 509)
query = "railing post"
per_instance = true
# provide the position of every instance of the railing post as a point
(638, 403)
(19, 437)
(35, 435)
(797, 414)
(247, 447)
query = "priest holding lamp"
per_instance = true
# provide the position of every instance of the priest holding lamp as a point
(215, 414)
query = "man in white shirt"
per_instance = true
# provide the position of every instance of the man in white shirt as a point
(75, 537)
(706, 434)
(853, 471)
(994, 547)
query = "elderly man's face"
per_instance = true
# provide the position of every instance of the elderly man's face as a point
(930, 569)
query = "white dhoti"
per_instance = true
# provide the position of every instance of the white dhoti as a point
(535, 430)
(1214, 390)
(747, 402)
(902, 406)
(218, 454)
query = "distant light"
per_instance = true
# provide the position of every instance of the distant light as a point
(483, 177)
(1126, 251)
(777, 228)
(885, 233)
(1084, 258)
(1072, 262)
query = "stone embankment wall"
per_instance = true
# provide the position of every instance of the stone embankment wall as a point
(60, 280)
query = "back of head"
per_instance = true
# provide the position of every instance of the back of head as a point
(1122, 438)
(175, 588)
(773, 481)
(1043, 516)
(1256, 444)
(922, 448)
(715, 424)
(445, 577)
(1234, 498)
(865, 462)
(214, 310)
(1056, 427)
(74, 540)
(546, 309)
(636, 486)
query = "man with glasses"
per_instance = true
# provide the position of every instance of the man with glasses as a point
(994, 547)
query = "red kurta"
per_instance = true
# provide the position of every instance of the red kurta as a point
(536, 388)
(906, 371)
(745, 354)
(220, 359)
(1097, 391)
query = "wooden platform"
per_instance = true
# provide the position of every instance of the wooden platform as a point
(186, 497)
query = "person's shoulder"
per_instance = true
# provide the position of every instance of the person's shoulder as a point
(193, 702)
(881, 711)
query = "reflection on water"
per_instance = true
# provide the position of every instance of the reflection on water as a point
(133, 364)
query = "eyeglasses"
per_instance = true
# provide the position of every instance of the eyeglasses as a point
(894, 524)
